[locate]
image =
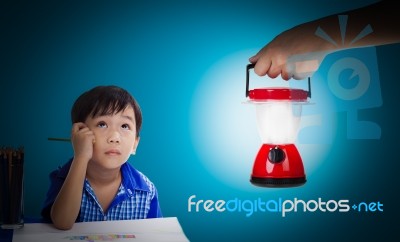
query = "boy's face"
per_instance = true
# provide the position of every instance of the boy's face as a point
(115, 138)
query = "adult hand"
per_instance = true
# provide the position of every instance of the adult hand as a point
(298, 52)
(295, 53)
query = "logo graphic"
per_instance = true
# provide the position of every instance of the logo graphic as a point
(343, 24)
(353, 83)
(284, 207)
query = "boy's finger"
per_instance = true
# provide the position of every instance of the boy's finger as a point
(78, 126)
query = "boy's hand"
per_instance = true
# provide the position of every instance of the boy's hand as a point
(82, 139)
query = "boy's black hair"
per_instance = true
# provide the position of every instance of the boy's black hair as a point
(104, 100)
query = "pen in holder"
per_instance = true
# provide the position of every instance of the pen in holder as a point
(11, 188)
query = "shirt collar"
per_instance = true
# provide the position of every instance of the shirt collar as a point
(132, 179)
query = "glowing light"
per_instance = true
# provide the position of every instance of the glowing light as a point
(278, 122)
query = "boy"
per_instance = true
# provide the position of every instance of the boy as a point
(98, 183)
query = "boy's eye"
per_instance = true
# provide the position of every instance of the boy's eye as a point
(102, 125)
(125, 126)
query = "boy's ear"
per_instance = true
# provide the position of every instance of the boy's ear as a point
(135, 145)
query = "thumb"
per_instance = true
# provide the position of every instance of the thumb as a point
(254, 58)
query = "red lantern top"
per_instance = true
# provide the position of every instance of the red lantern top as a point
(278, 93)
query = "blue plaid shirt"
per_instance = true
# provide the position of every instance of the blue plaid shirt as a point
(136, 197)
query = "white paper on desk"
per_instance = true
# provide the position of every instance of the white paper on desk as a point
(157, 229)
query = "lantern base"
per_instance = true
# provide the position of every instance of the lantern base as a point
(278, 166)
(278, 182)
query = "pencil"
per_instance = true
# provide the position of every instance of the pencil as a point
(59, 139)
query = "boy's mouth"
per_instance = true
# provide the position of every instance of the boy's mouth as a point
(113, 152)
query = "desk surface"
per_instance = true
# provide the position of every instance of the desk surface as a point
(154, 229)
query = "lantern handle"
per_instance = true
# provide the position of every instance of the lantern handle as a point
(250, 66)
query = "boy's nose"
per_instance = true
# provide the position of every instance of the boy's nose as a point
(114, 138)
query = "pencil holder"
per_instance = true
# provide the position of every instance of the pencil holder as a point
(11, 188)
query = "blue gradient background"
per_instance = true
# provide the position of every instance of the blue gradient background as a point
(184, 62)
